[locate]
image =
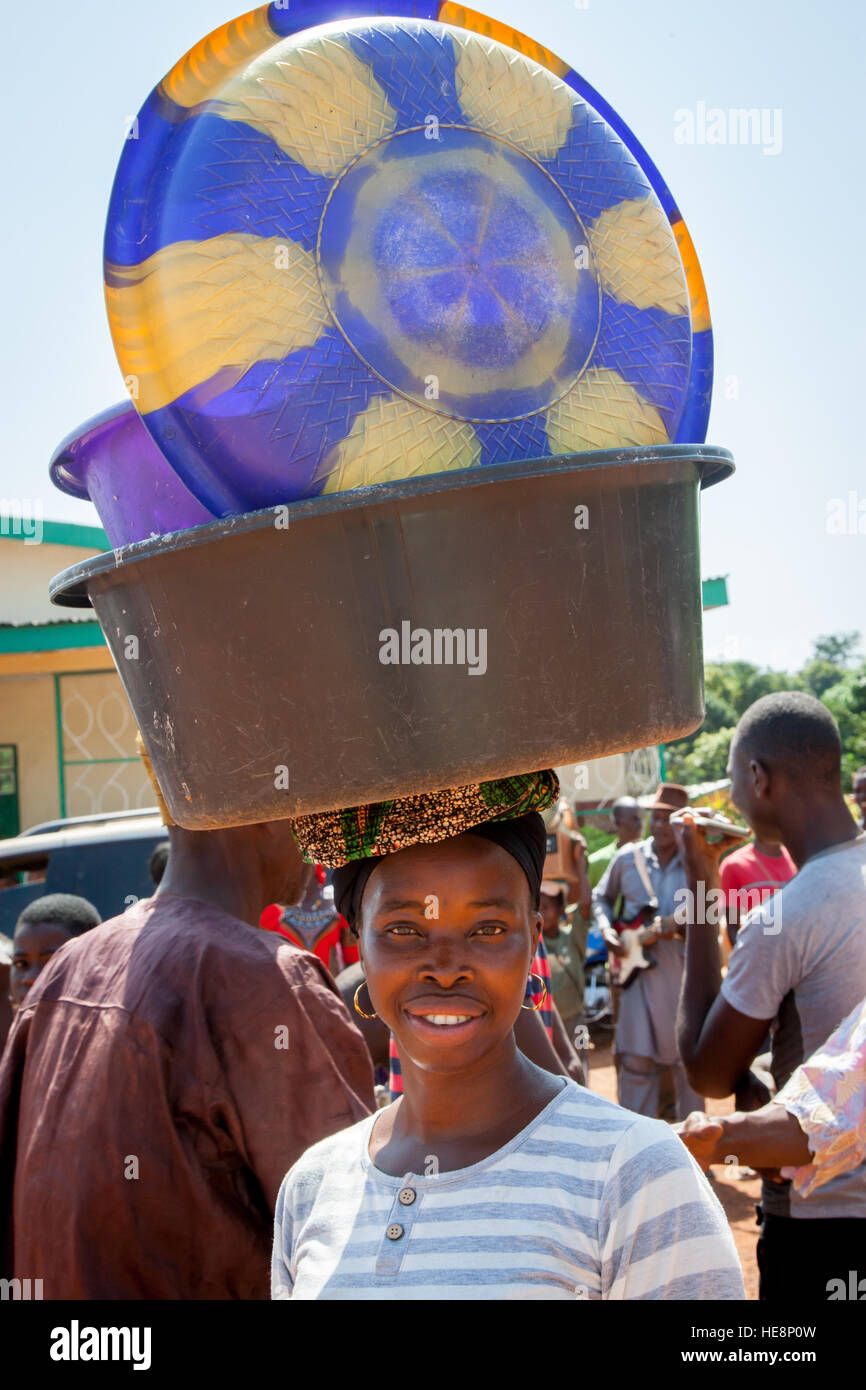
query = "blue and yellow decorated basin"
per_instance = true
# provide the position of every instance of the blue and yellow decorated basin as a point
(377, 248)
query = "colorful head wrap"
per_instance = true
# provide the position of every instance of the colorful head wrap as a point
(334, 838)
(523, 837)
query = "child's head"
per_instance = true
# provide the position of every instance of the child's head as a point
(44, 926)
(551, 905)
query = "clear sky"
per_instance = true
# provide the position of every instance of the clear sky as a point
(779, 236)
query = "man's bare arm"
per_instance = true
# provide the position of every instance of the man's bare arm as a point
(717, 1043)
(766, 1138)
(718, 1049)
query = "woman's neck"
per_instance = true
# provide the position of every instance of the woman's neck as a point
(462, 1117)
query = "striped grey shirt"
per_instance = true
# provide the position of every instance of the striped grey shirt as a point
(589, 1201)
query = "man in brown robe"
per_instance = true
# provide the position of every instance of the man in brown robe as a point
(165, 1071)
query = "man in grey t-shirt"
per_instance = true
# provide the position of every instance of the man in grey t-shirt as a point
(799, 963)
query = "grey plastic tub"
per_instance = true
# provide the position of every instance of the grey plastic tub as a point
(256, 653)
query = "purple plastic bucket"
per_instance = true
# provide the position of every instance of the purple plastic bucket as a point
(112, 462)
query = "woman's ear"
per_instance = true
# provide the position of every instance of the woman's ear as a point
(536, 931)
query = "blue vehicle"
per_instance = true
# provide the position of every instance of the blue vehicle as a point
(597, 992)
(101, 858)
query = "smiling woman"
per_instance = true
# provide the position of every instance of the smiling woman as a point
(490, 1178)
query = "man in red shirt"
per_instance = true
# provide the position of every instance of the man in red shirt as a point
(752, 874)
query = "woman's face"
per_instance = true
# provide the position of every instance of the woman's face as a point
(447, 936)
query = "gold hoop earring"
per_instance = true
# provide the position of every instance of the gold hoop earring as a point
(533, 1008)
(355, 1002)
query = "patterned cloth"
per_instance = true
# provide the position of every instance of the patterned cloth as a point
(828, 1096)
(540, 966)
(384, 827)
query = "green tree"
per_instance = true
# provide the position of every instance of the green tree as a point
(731, 686)
(705, 761)
(846, 701)
(720, 713)
(818, 675)
(740, 683)
(839, 648)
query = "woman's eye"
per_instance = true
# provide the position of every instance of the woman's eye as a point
(401, 929)
(490, 929)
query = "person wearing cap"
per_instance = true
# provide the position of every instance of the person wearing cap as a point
(489, 1178)
(161, 1074)
(646, 1042)
(628, 824)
